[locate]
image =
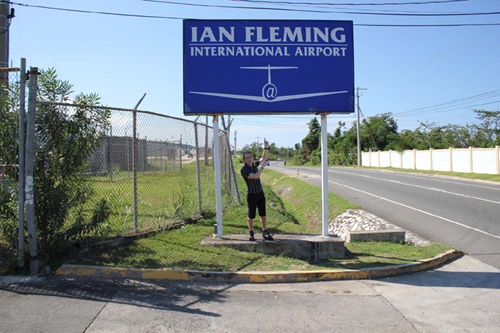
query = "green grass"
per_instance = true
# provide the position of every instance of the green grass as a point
(163, 197)
(181, 249)
(303, 201)
(296, 211)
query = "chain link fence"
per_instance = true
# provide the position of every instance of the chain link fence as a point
(143, 172)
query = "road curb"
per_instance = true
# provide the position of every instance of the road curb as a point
(256, 277)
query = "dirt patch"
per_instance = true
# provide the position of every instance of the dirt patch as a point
(313, 219)
(284, 191)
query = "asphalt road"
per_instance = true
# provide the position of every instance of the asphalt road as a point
(464, 214)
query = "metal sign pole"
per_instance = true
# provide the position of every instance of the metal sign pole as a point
(218, 197)
(324, 175)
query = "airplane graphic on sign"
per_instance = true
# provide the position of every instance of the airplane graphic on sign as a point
(269, 91)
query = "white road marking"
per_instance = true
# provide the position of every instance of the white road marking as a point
(418, 210)
(466, 182)
(423, 187)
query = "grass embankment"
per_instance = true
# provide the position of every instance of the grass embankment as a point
(296, 210)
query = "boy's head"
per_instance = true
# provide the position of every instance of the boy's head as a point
(248, 158)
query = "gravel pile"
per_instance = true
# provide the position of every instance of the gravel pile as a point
(360, 220)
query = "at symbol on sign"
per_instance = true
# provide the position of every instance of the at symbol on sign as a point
(269, 91)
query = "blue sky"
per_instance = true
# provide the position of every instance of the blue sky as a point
(420, 74)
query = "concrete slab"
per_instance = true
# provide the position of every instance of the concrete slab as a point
(300, 246)
(384, 235)
(457, 297)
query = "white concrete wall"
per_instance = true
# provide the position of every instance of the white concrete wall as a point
(423, 160)
(384, 159)
(460, 160)
(441, 160)
(481, 160)
(396, 159)
(408, 159)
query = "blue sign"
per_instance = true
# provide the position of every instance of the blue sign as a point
(268, 67)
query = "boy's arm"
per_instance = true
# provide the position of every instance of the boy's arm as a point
(264, 155)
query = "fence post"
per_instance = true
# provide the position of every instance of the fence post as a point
(197, 165)
(497, 159)
(22, 119)
(128, 155)
(232, 165)
(451, 159)
(144, 154)
(470, 159)
(134, 165)
(414, 159)
(29, 164)
(110, 153)
(390, 158)
(180, 153)
(134, 157)
(430, 152)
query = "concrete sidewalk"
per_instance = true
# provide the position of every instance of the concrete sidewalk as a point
(460, 296)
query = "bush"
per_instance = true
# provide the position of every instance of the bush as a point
(66, 137)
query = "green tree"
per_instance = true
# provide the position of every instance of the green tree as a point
(310, 143)
(342, 146)
(487, 133)
(9, 174)
(382, 131)
(66, 137)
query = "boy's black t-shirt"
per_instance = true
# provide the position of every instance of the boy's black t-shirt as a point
(254, 186)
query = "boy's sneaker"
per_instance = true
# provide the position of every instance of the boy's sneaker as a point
(267, 236)
(251, 236)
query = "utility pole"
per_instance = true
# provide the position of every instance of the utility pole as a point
(358, 135)
(5, 16)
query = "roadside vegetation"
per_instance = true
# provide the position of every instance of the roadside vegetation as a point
(381, 132)
(296, 210)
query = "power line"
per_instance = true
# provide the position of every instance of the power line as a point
(352, 4)
(323, 11)
(95, 12)
(81, 11)
(427, 25)
(453, 108)
(272, 125)
(452, 103)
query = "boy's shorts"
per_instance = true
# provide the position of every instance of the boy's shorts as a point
(255, 201)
